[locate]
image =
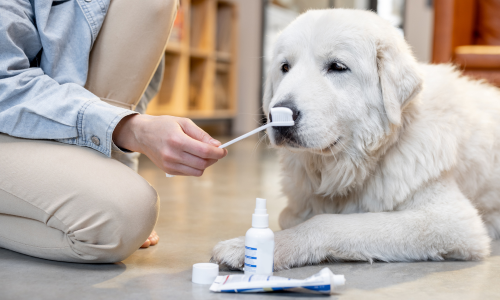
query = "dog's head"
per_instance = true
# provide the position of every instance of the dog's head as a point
(347, 75)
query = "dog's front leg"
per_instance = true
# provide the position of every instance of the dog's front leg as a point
(438, 223)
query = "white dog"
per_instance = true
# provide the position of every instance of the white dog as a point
(389, 159)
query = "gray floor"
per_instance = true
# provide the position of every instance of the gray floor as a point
(196, 213)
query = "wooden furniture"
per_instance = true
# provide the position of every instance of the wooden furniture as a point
(467, 33)
(200, 62)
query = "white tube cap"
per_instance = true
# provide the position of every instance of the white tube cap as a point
(205, 273)
(338, 280)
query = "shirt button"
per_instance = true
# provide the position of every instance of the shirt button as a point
(95, 140)
(88, 0)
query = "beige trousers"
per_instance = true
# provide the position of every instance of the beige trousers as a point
(70, 203)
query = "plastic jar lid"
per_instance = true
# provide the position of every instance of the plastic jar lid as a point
(205, 273)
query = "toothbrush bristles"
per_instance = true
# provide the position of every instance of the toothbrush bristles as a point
(282, 116)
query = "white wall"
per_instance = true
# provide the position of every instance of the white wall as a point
(418, 27)
(249, 66)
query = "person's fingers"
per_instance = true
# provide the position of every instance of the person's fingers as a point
(171, 158)
(181, 169)
(203, 150)
(197, 133)
(195, 161)
(211, 162)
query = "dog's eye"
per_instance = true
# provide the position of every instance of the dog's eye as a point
(285, 68)
(336, 67)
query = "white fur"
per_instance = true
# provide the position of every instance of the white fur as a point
(416, 172)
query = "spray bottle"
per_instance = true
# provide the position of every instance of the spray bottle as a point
(259, 243)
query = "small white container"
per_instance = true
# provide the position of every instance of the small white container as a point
(205, 273)
(259, 243)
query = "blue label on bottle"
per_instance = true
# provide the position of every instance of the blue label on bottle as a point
(250, 259)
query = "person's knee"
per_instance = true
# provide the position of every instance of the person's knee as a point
(134, 222)
(120, 224)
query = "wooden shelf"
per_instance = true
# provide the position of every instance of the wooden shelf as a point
(223, 56)
(173, 48)
(200, 53)
(200, 62)
(218, 114)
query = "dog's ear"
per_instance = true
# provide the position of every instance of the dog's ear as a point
(399, 76)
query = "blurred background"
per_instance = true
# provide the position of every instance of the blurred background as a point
(219, 50)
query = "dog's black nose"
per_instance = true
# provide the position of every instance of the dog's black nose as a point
(287, 134)
(291, 106)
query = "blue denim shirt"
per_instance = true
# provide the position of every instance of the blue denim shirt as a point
(44, 55)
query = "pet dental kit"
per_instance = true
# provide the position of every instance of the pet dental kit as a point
(259, 266)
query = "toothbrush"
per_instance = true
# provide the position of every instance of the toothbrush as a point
(280, 116)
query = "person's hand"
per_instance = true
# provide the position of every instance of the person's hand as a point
(175, 145)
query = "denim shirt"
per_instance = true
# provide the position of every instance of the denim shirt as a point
(44, 56)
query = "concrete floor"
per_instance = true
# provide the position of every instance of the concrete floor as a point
(196, 213)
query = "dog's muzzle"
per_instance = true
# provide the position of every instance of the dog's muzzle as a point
(287, 135)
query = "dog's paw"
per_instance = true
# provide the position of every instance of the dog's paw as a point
(230, 253)
(289, 252)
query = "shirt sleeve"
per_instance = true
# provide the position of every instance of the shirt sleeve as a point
(32, 104)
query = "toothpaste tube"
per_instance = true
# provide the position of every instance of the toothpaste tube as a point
(322, 283)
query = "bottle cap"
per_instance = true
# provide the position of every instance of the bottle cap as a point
(260, 218)
(205, 273)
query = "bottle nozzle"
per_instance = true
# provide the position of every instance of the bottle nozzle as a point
(260, 207)
(261, 203)
(260, 217)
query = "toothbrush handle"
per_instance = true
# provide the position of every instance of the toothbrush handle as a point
(245, 135)
(236, 140)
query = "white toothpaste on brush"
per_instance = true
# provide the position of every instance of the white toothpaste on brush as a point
(323, 282)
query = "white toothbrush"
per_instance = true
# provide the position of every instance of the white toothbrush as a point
(281, 116)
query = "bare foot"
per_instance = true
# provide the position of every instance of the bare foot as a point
(152, 240)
